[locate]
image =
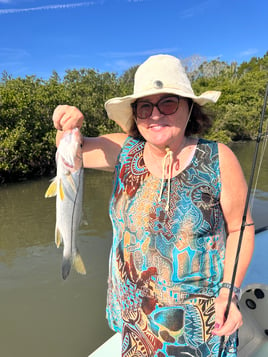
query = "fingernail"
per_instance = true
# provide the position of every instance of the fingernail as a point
(217, 325)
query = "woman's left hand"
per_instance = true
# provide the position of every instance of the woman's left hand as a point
(223, 326)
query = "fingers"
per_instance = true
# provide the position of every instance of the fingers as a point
(66, 117)
(226, 327)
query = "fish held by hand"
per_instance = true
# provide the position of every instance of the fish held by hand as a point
(67, 186)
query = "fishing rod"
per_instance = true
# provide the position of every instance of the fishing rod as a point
(244, 224)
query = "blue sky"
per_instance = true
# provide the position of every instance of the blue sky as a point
(39, 36)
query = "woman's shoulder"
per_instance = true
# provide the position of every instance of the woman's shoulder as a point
(232, 174)
(226, 153)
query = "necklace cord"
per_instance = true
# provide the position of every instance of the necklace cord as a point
(243, 224)
(169, 155)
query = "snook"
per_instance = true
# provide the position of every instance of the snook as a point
(67, 186)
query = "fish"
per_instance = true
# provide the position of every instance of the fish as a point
(67, 186)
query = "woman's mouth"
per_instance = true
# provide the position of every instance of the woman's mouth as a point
(157, 127)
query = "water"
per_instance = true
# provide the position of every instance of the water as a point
(42, 315)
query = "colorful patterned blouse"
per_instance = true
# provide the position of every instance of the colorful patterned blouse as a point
(166, 265)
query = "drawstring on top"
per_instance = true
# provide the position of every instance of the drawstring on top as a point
(169, 155)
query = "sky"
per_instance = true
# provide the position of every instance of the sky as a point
(42, 36)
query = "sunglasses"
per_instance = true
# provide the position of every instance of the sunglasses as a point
(143, 109)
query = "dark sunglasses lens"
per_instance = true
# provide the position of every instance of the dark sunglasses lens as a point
(144, 109)
(168, 105)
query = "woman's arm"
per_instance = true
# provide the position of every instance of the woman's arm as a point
(98, 152)
(102, 152)
(233, 198)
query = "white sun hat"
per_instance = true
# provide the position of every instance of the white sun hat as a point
(159, 74)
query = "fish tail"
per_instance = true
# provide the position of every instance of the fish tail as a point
(66, 267)
(79, 264)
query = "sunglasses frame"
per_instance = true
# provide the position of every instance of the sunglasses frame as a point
(134, 106)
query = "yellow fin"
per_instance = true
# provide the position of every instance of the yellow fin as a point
(79, 265)
(71, 182)
(57, 238)
(61, 190)
(52, 189)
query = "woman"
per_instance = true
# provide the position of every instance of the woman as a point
(176, 209)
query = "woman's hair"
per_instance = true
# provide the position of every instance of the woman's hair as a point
(199, 123)
(200, 120)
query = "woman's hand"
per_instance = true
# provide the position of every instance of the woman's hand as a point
(223, 326)
(66, 117)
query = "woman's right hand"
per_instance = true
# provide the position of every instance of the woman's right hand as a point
(66, 117)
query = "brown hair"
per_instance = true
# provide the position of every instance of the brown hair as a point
(199, 123)
(200, 120)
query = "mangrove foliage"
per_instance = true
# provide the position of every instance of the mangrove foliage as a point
(27, 135)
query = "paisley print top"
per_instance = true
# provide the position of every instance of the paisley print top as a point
(165, 266)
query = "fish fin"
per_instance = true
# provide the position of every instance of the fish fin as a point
(52, 189)
(58, 238)
(71, 182)
(79, 265)
(66, 267)
(61, 190)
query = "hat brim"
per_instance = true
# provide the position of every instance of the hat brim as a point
(119, 108)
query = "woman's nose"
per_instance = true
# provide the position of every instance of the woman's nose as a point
(155, 113)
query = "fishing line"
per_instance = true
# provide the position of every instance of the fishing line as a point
(263, 149)
(243, 224)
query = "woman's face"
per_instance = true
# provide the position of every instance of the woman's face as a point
(163, 130)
